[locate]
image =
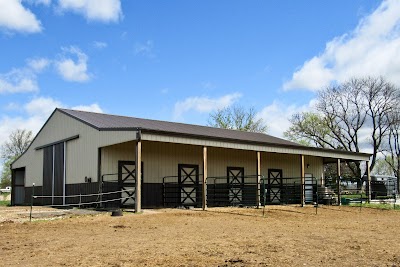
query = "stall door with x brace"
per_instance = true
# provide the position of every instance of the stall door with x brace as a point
(127, 182)
(235, 185)
(188, 180)
(274, 186)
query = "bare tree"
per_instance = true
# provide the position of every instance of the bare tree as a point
(391, 148)
(18, 142)
(237, 118)
(347, 115)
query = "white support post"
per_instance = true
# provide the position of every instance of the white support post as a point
(338, 182)
(204, 188)
(368, 182)
(53, 174)
(258, 178)
(302, 197)
(64, 171)
(138, 175)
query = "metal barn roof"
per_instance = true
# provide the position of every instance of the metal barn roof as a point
(107, 122)
(104, 122)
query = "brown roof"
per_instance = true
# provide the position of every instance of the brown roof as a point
(104, 122)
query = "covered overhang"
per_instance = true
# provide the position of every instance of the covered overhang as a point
(329, 155)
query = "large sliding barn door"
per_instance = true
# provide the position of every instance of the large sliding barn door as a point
(188, 181)
(235, 176)
(53, 174)
(274, 186)
(48, 175)
(58, 192)
(127, 182)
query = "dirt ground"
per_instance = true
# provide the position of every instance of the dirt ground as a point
(286, 236)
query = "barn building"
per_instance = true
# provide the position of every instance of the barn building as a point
(77, 155)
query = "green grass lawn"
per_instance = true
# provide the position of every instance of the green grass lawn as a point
(5, 203)
(377, 206)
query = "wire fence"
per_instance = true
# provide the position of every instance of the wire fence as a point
(236, 190)
(82, 203)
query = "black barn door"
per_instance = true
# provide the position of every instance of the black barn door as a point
(58, 174)
(235, 181)
(188, 180)
(274, 186)
(48, 175)
(127, 182)
(53, 174)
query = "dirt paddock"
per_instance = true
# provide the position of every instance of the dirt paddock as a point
(286, 236)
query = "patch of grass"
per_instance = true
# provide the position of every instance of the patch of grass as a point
(354, 196)
(5, 203)
(378, 206)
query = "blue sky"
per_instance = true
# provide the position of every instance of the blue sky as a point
(181, 60)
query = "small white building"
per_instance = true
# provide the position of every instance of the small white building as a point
(79, 153)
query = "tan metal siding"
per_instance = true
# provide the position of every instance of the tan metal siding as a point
(110, 156)
(81, 159)
(221, 158)
(162, 159)
(159, 159)
(289, 164)
(273, 149)
(316, 167)
(34, 170)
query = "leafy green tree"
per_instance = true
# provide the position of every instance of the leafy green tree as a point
(6, 174)
(18, 142)
(237, 118)
(310, 129)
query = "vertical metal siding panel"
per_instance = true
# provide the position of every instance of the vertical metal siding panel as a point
(162, 159)
(316, 167)
(221, 158)
(32, 160)
(290, 164)
(81, 153)
(112, 154)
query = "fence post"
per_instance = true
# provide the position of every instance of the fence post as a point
(316, 192)
(33, 193)
(265, 196)
(368, 185)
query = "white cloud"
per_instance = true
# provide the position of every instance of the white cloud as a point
(22, 80)
(42, 106)
(35, 113)
(204, 104)
(373, 48)
(15, 17)
(91, 108)
(12, 106)
(100, 45)
(73, 70)
(145, 49)
(38, 64)
(39, 2)
(277, 115)
(18, 81)
(96, 10)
